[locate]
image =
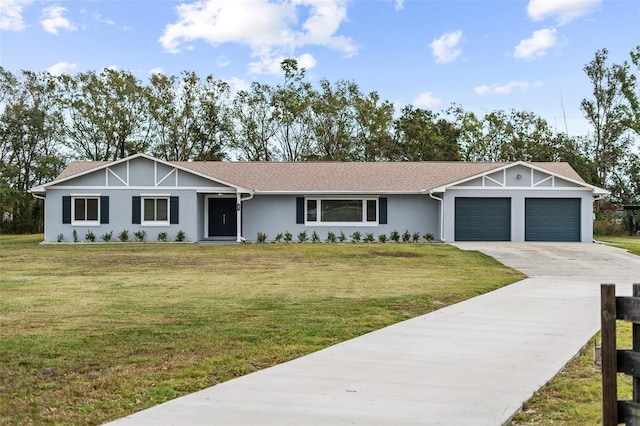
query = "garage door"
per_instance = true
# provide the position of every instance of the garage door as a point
(483, 219)
(549, 219)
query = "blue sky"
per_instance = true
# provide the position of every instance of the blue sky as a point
(481, 55)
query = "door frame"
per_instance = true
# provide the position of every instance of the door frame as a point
(206, 216)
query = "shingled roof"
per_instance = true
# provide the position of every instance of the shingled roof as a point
(352, 177)
(407, 177)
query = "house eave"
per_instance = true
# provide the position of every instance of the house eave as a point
(338, 192)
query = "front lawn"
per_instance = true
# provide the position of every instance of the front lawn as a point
(93, 332)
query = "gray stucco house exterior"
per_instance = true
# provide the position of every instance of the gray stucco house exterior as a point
(454, 201)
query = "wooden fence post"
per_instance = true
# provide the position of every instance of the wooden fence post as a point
(609, 355)
(619, 360)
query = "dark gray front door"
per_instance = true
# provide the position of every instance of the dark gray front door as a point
(483, 219)
(552, 219)
(222, 217)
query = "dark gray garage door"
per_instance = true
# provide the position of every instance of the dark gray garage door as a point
(552, 219)
(483, 219)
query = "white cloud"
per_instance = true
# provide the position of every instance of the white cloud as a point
(157, 70)
(222, 61)
(272, 64)
(237, 84)
(106, 21)
(537, 45)
(307, 61)
(399, 4)
(270, 29)
(563, 11)
(427, 100)
(62, 68)
(446, 47)
(506, 89)
(11, 14)
(52, 20)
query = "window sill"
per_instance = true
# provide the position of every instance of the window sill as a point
(342, 224)
(85, 223)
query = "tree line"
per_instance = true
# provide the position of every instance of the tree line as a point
(47, 121)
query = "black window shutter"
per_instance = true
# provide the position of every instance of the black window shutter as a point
(66, 209)
(104, 209)
(173, 210)
(299, 209)
(382, 205)
(136, 210)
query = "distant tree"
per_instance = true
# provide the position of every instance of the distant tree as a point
(292, 110)
(252, 124)
(209, 140)
(420, 135)
(187, 117)
(631, 90)
(106, 114)
(609, 115)
(333, 121)
(374, 122)
(29, 152)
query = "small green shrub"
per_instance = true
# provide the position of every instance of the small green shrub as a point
(315, 238)
(106, 237)
(406, 236)
(342, 237)
(415, 237)
(355, 237)
(74, 234)
(288, 236)
(123, 236)
(90, 236)
(331, 237)
(394, 236)
(368, 237)
(428, 237)
(162, 237)
(181, 236)
(382, 238)
(262, 237)
(60, 238)
(302, 236)
(279, 237)
(139, 235)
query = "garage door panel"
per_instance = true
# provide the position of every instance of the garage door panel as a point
(482, 219)
(552, 219)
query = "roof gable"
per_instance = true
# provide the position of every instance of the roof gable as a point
(522, 174)
(156, 172)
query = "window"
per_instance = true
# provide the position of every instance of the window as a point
(86, 210)
(155, 210)
(342, 211)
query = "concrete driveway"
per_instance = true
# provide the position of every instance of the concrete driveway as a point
(473, 363)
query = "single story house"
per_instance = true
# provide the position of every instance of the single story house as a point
(454, 201)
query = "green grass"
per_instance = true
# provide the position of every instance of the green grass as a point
(574, 396)
(93, 332)
(629, 243)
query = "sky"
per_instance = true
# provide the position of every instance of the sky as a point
(481, 55)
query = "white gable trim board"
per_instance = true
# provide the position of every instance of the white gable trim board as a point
(515, 202)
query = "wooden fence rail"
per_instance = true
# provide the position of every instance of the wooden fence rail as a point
(619, 361)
